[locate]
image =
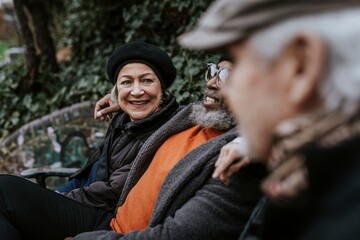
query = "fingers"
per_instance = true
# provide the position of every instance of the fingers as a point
(233, 168)
(237, 166)
(103, 118)
(105, 107)
(230, 160)
(101, 104)
(226, 158)
(107, 111)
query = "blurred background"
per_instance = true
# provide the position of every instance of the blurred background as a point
(53, 56)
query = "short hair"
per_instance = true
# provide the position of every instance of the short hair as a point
(340, 86)
(226, 57)
(114, 94)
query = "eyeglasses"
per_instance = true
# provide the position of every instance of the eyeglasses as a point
(213, 71)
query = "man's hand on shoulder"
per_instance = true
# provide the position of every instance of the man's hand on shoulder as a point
(231, 159)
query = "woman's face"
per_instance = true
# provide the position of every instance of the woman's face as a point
(139, 90)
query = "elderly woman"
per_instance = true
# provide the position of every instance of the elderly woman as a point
(140, 72)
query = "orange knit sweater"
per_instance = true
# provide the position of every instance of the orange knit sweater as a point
(136, 211)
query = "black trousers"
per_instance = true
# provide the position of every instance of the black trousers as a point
(28, 211)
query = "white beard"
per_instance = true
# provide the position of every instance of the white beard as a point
(217, 119)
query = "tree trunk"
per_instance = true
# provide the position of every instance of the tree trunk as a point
(32, 59)
(44, 41)
(34, 25)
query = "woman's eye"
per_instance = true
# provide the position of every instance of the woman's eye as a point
(126, 83)
(147, 81)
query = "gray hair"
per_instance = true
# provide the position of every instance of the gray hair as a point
(114, 94)
(340, 86)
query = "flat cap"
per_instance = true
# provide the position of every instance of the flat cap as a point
(142, 52)
(227, 21)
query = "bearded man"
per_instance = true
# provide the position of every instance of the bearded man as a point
(297, 64)
(169, 193)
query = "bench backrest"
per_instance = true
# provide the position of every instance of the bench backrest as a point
(63, 138)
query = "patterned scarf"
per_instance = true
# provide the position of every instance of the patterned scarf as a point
(289, 175)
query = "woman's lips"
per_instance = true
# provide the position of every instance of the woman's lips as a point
(139, 103)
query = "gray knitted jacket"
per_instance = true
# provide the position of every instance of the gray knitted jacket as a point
(191, 205)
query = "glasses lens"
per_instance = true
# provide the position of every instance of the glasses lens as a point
(211, 71)
(222, 76)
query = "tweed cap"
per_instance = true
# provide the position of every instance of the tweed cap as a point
(227, 21)
(142, 52)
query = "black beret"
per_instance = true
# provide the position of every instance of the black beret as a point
(141, 52)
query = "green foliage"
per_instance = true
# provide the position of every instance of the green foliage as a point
(16, 109)
(3, 47)
(94, 28)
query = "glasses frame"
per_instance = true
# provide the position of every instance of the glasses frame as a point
(219, 81)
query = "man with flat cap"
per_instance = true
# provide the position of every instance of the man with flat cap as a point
(297, 64)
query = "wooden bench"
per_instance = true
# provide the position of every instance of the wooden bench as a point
(54, 145)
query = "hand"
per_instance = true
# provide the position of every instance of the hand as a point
(105, 107)
(230, 161)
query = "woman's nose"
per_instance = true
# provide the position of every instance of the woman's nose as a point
(137, 89)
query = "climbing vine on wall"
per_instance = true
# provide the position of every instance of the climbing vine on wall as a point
(93, 28)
